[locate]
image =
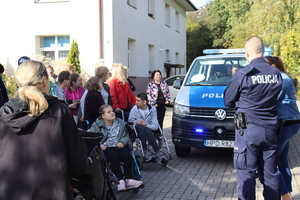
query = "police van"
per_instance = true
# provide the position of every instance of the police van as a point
(200, 118)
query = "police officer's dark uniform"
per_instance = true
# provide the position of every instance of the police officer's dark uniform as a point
(253, 90)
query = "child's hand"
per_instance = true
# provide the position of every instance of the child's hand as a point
(103, 147)
(120, 145)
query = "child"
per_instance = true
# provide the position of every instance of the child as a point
(114, 146)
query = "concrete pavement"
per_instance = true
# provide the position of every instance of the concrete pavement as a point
(206, 174)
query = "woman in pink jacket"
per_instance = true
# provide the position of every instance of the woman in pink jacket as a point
(74, 92)
(158, 95)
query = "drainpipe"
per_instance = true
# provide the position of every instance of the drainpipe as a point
(100, 30)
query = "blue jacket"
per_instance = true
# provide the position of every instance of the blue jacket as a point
(287, 101)
(254, 90)
(3, 93)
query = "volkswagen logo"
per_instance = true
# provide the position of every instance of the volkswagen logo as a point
(220, 114)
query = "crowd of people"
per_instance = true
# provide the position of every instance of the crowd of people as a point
(39, 133)
(43, 97)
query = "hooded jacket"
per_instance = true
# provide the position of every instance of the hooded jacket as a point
(99, 126)
(38, 153)
(150, 119)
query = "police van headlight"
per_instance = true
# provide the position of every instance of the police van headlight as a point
(181, 111)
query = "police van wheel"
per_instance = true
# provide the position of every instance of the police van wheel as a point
(182, 151)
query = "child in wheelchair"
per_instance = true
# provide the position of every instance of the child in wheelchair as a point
(114, 144)
(144, 118)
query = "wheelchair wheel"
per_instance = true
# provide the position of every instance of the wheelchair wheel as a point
(139, 161)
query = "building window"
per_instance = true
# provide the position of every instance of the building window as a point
(177, 21)
(151, 57)
(151, 8)
(55, 47)
(49, 1)
(167, 14)
(131, 53)
(168, 55)
(132, 3)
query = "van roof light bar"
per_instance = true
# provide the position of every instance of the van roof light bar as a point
(226, 51)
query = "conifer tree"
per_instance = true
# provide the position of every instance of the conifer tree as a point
(73, 57)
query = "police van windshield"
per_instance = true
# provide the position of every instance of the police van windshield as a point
(214, 71)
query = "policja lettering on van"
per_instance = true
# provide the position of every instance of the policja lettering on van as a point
(212, 95)
(264, 79)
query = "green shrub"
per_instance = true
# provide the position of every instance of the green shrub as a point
(10, 85)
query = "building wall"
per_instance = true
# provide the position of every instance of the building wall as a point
(133, 23)
(26, 21)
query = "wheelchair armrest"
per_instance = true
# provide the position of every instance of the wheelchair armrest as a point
(130, 123)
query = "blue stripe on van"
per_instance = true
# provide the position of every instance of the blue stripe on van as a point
(207, 96)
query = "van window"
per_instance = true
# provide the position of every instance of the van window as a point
(214, 71)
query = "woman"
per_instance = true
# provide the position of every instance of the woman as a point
(93, 100)
(158, 95)
(289, 114)
(74, 92)
(40, 144)
(121, 94)
(68, 67)
(132, 87)
(114, 146)
(102, 73)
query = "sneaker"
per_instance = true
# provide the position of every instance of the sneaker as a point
(121, 185)
(148, 156)
(161, 156)
(131, 183)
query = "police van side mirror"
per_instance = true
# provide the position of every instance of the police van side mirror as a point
(177, 83)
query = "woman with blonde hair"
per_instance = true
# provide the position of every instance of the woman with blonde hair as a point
(40, 143)
(68, 67)
(121, 94)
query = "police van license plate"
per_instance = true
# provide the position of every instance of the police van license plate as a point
(219, 143)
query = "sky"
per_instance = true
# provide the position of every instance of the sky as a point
(199, 3)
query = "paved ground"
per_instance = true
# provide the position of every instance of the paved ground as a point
(206, 174)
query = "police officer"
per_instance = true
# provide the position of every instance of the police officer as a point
(253, 91)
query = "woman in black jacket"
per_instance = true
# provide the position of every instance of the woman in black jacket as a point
(40, 146)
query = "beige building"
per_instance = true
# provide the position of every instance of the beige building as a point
(141, 34)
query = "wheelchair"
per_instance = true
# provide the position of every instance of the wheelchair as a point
(112, 178)
(98, 184)
(138, 148)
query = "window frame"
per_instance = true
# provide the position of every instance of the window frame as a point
(55, 49)
(50, 1)
(167, 15)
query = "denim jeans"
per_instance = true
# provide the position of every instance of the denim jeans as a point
(285, 178)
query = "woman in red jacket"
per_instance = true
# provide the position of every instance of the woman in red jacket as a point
(120, 91)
